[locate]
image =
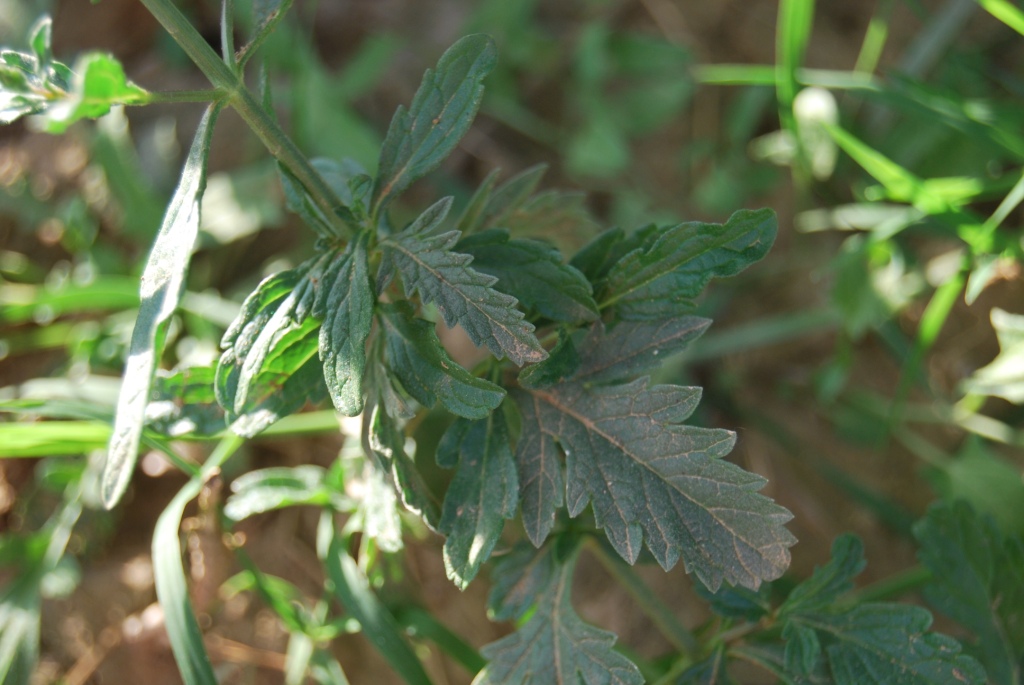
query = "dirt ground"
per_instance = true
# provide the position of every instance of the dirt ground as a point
(110, 629)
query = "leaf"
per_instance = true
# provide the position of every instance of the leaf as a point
(483, 493)
(163, 282)
(419, 138)
(871, 642)
(98, 83)
(596, 258)
(387, 443)
(377, 512)
(663, 277)
(737, 602)
(463, 296)
(556, 647)
(830, 581)
(709, 671)
(563, 361)
(978, 580)
(532, 272)
(184, 403)
(490, 208)
(416, 357)
(635, 347)
(29, 83)
(1004, 375)
(345, 304)
(378, 625)
(264, 490)
(519, 578)
(269, 367)
(648, 476)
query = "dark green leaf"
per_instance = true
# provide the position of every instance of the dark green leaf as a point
(345, 304)
(560, 217)
(489, 209)
(269, 367)
(184, 403)
(802, 649)
(562, 362)
(709, 671)
(663, 277)
(275, 488)
(483, 493)
(978, 580)
(347, 180)
(737, 602)
(463, 296)
(519, 578)
(420, 363)
(163, 282)
(442, 110)
(556, 647)
(533, 273)
(387, 443)
(634, 347)
(830, 581)
(379, 626)
(596, 258)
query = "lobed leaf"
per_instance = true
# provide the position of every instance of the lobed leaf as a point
(555, 646)
(519, 579)
(345, 304)
(163, 282)
(632, 348)
(662, 278)
(490, 207)
(463, 296)
(419, 138)
(978, 580)
(532, 272)
(483, 493)
(830, 581)
(417, 359)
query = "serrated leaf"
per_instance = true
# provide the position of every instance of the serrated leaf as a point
(428, 374)
(652, 479)
(664, 277)
(532, 272)
(830, 581)
(489, 207)
(98, 83)
(163, 282)
(978, 580)
(737, 602)
(483, 493)
(270, 366)
(871, 642)
(518, 580)
(347, 179)
(596, 258)
(419, 138)
(184, 403)
(559, 216)
(635, 347)
(556, 647)
(345, 305)
(463, 295)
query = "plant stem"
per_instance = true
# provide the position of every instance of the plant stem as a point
(676, 633)
(895, 585)
(173, 96)
(239, 97)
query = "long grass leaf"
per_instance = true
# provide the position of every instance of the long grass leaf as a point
(163, 282)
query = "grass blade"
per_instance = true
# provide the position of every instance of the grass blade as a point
(163, 283)
(1005, 12)
(169, 575)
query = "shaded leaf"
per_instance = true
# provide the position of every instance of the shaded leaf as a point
(419, 138)
(559, 216)
(663, 277)
(635, 347)
(555, 646)
(163, 283)
(428, 374)
(519, 579)
(264, 490)
(184, 403)
(562, 362)
(532, 271)
(978, 580)
(648, 476)
(463, 296)
(490, 207)
(709, 671)
(737, 602)
(596, 258)
(483, 493)
(830, 581)
(345, 304)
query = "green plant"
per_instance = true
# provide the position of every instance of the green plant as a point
(560, 414)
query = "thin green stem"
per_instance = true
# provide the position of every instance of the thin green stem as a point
(248, 107)
(227, 34)
(176, 96)
(655, 608)
(895, 586)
